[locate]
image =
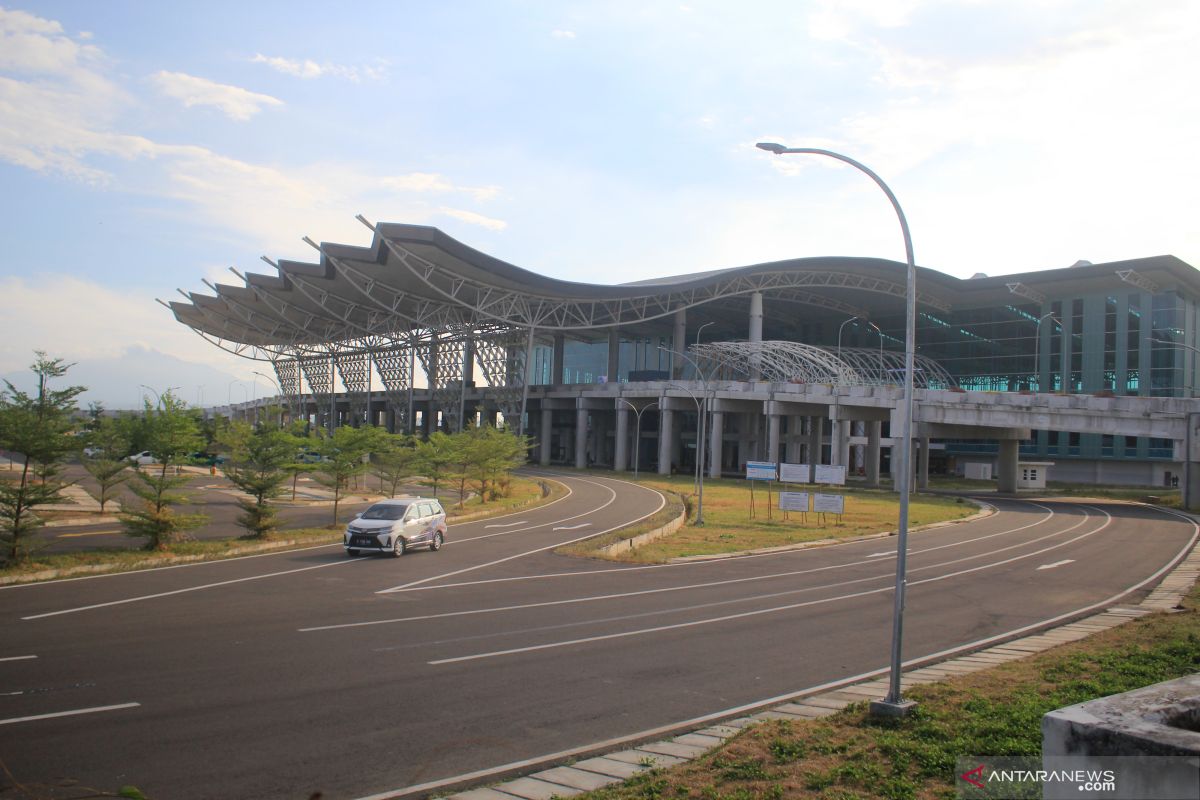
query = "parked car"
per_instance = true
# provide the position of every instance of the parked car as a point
(143, 458)
(396, 526)
(93, 452)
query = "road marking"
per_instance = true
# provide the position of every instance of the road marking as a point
(662, 501)
(695, 722)
(793, 606)
(572, 527)
(192, 589)
(1057, 563)
(505, 525)
(16, 658)
(75, 712)
(88, 533)
(1050, 513)
(884, 553)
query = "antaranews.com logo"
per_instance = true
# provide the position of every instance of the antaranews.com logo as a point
(1078, 777)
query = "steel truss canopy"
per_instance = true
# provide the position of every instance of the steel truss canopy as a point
(794, 362)
(415, 282)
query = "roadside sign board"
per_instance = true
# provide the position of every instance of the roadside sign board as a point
(760, 470)
(827, 473)
(793, 501)
(798, 473)
(829, 503)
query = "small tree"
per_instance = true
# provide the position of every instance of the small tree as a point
(171, 433)
(495, 454)
(36, 427)
(345, 454)
(107, 463)
(258, 465)
(435, 458)
(394, 460)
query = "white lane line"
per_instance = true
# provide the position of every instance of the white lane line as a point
(884, 553)
(777, 609)
(686, 587)
(572, 527)
(58, 581)
(727, 713)
(662, 501)
(1057, 563)
(191, 589)
(506, 524)
(16, 658)
(73, 713)
(713, 562)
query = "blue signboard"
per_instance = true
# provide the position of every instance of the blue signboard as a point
(760, 470)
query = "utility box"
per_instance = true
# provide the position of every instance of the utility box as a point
(977, 471)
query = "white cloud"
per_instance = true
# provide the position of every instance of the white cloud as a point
(562, 34)
(433, 182)
(309, 69)
(235, 102)
(474, 219)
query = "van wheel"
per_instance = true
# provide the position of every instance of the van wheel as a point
(399, 547)
(436, 544)
(351, 553)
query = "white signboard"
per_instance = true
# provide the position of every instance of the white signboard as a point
(794, 473)
(793, 501)
(827, 473)
(829, 503)
(760, 470)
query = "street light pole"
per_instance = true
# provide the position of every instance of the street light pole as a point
(894, 704)
(637, 434)
(702, 429)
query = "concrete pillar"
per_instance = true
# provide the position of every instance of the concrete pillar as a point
(874, 430)
(756, 318)
(558, 360)
(923, 462)
(815, 424)
(581, 436)
(1006, 479)
(391, 419)
(716, 435)
(665, 418)
(679, 343)
(839, 442)
(621, 456)
(772, 437)
(614, 356)
(547, 435)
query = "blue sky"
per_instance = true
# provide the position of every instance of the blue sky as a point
(145, 146)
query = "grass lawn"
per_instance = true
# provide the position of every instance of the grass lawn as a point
(728, 527)
(996, 712)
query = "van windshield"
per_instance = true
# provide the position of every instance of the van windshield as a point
(385, 512)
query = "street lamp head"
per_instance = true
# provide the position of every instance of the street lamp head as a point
(771, 147)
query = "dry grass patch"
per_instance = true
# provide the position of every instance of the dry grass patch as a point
(997, 712)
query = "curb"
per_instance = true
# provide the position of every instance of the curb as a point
(988, 511)
(614, 767)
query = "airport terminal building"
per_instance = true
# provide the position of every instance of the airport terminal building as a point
(1091, 368)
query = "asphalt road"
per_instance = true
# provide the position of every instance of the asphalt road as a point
(281, 675)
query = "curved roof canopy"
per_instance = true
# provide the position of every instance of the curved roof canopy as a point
(413, 282)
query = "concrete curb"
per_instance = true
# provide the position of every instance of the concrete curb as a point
(988, 511)
(614, 767)
(626, 545)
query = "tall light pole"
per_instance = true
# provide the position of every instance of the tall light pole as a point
(279, 389)
(701, 429)
(157, 396)
(697, 401)
(637, 435)
(894, 704)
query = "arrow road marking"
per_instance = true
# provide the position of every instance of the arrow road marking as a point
(506, 524)
(1057, 563)
(572, 527)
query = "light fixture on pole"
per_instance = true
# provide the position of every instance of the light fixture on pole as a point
(637, 435)
(894, 704)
